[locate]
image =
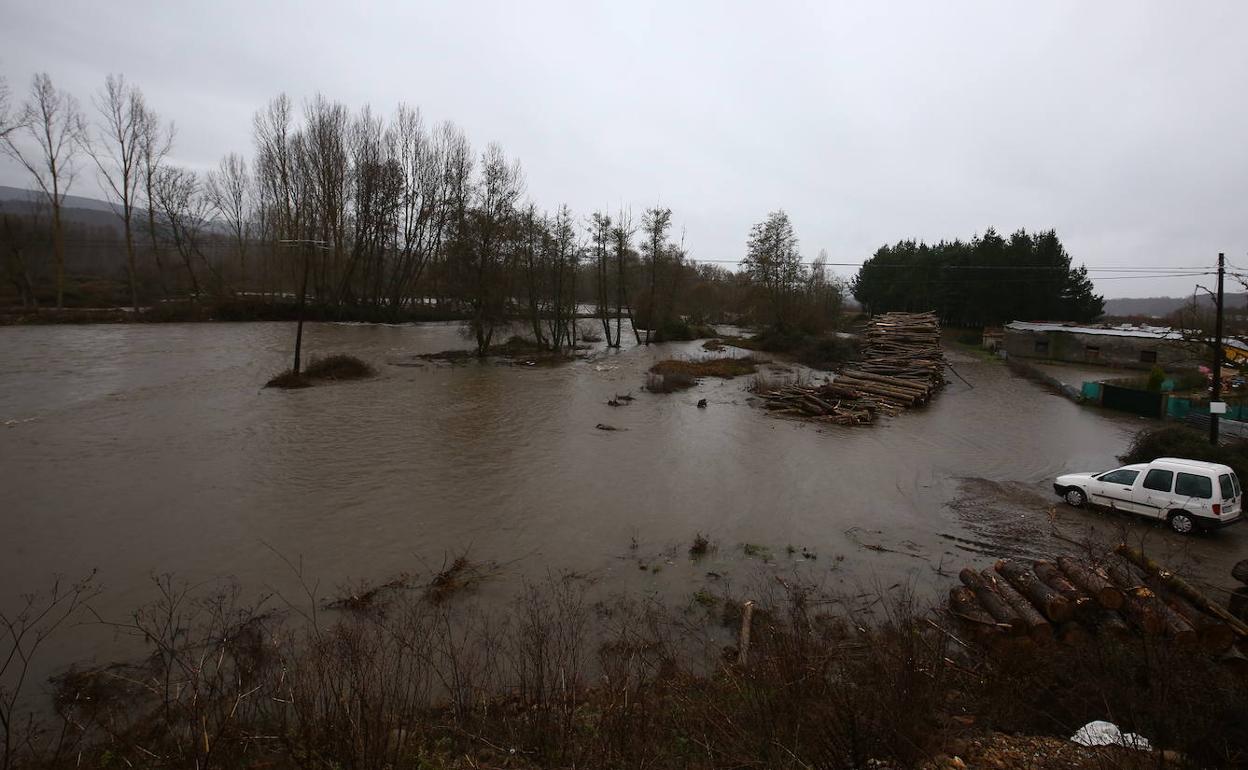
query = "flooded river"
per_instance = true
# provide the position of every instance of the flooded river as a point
(143, 449)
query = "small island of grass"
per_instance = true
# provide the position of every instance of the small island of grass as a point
(332, 368)
(673, 374)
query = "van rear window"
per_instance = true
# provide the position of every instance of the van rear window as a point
(1227, 486)
(1191, 485)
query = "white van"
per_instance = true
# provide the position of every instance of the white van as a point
(1188, 494)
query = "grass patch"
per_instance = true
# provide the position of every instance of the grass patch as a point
(337, 367)
(673, 374)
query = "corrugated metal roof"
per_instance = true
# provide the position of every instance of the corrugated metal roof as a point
(1144, 332)
(1152, 332)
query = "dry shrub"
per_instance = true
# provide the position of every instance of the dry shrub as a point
(288, 380)
(552, 679)
(335, 367)
(1177, 697)
(338, 367)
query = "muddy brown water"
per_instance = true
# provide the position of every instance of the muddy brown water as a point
(146, 449)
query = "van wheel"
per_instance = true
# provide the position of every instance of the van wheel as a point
(1075, 497)
(1182, 523)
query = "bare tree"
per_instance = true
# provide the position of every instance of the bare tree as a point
(6, 120)
(117, 150)
(601, 227)
(274, 171)
(655, 224)
(156, 142)
(185, 210)
(492, 216)
(322, 155)
(457, 168)
(622, 235)
(228, 189)
(562, 262)
(51, 121)
(424, 212)
(774, 264)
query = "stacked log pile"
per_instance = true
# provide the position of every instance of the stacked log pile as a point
(905, 345)
(853, 398)
(902, 367)
(1123, 593)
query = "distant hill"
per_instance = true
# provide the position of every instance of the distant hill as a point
(19, 195)
(1156, 307)
(78, 209)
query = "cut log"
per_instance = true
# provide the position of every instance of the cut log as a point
(896, 382)
(1053, 578)
(1093, 584)
(1110, 623)
(1183, 588)
(1037, 627)
(1177, 627)
(1214, 634)
(964, 606)
(992, 601)
(1054, 606)
(1140, 604)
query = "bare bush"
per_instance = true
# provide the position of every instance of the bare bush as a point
(554, 679)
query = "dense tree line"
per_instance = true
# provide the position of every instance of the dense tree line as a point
(988, 280)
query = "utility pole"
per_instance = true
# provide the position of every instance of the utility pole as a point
(1215, 404)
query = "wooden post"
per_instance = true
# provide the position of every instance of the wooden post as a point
(743, 641)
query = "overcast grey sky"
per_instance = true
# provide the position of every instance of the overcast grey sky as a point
(1124, 125)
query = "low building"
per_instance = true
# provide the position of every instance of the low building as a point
(1132, 347)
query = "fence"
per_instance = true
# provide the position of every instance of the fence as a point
(1143, 402)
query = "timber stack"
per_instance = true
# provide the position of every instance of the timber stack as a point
(902, 367)
(905, 346)
(1123, 593)
(848, 400)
